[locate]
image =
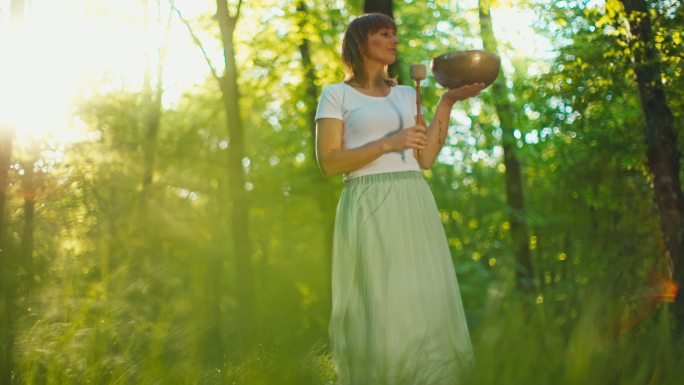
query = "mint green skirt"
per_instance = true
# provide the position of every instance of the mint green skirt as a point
(397, 316)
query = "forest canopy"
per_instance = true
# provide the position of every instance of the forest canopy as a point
(163, 218)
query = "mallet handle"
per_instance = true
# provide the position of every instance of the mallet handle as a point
(419, 113)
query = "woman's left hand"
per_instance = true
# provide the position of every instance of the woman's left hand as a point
(462, 93)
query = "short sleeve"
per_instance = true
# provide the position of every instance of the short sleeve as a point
(330, 103)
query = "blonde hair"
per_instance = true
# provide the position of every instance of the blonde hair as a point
(354, 43)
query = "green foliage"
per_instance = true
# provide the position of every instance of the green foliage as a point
(134, 290)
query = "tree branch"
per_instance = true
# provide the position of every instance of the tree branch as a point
(197, 41)
(237, 12)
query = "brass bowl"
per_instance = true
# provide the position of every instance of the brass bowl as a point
(456, 69)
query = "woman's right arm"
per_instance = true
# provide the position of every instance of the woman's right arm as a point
(334, 160)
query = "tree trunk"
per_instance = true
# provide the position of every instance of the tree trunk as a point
(239, 214)
(326, 202)
(29, 192)
(513, 175)
(6, 136)
(312, 91)
(152, 118)
(380, 6)
(6, 276)
(661, 143)
(387, 8)
(7, 265)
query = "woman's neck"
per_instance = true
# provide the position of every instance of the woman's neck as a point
(374, 81)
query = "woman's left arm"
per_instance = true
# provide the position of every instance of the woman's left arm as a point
(437, 131)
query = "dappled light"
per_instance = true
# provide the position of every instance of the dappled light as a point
(164, 220)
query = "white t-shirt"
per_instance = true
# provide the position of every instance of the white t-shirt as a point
(368, 118)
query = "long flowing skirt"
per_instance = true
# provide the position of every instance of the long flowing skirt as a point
(397, 316)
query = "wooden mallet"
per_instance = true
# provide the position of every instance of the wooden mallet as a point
(418, 73)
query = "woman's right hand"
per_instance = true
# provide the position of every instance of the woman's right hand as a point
(413, 137)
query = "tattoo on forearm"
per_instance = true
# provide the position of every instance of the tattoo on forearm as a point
(440, 139)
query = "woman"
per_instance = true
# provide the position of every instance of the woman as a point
(397, 316)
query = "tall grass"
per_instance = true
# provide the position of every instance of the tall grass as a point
(583, 341)
(585, 345)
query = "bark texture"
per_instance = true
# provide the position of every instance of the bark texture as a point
(513, 174)
(239, 213)
(663, 157)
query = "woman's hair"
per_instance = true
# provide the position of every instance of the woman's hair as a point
(354, 44)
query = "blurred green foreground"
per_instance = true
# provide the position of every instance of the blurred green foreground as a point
(186, 239)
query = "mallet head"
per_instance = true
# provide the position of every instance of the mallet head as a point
(417, 71)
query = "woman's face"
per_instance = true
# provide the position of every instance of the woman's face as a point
(382, 46)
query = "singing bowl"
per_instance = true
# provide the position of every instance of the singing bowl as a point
(456, 69)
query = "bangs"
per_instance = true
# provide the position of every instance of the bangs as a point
(373, 22)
